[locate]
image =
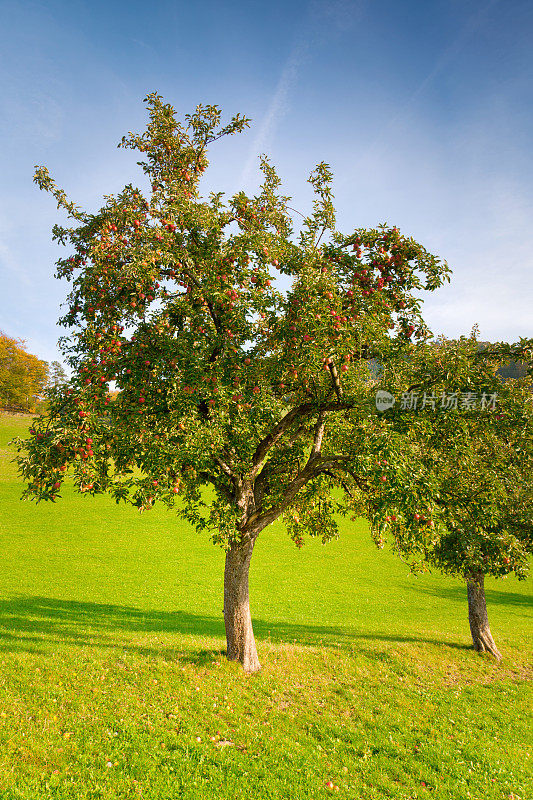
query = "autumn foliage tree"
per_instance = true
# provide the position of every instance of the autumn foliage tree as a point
(468, 436)
(23, 376)
(238, 403)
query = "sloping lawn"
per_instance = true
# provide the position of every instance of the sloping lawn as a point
(114, 684)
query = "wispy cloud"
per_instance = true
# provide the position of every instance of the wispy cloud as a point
(444, 59)
(276, 109)
(471, 25)
(323, 20)
(331, 17)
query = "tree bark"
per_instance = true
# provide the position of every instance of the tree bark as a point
(237, 619)
(477, 616)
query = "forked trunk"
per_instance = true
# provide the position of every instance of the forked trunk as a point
(239, 633)
(477, 616)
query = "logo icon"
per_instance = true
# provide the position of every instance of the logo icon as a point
(384, 400)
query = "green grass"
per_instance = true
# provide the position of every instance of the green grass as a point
(114, 684)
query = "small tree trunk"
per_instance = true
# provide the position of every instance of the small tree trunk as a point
(477, 616)
(239, 632)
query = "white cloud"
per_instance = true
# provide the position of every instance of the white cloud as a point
(501, 312)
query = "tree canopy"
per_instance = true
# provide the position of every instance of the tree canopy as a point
(239, 401)
(23, 376)
(56, 375)
(470, 436)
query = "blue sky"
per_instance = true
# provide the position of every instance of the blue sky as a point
(423, 109)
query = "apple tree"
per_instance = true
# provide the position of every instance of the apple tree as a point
(239, 344)
(469, 436)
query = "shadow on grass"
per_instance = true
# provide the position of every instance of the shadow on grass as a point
(457, 594)
(38, 624)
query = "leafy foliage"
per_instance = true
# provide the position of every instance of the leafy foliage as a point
(223, 380)
(478, 461)
(57, 375)
(22, 375)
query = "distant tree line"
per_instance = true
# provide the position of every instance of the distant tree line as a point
(512, 369)
(515, 369)
(24, 377)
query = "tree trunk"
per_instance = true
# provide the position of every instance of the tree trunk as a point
(239, 633)
(477, 616)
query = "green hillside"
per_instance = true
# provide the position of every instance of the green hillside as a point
(114, 683)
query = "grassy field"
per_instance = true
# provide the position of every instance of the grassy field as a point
(114, 684)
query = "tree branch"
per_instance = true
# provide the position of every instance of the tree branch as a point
(276, 433)
(214, 316)
(339, 479)
(335, 378)
(225, 468)
(219, 486)
(319, 434)
(296, 435)
(258, 522)
(314, 467)
(303, 410)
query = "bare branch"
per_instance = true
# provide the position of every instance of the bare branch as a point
(276, 433)
(225, 468)
(319, 434)
(296, 211)
(335, 378)
(302, 411)
(314, 467)
(322, 232)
